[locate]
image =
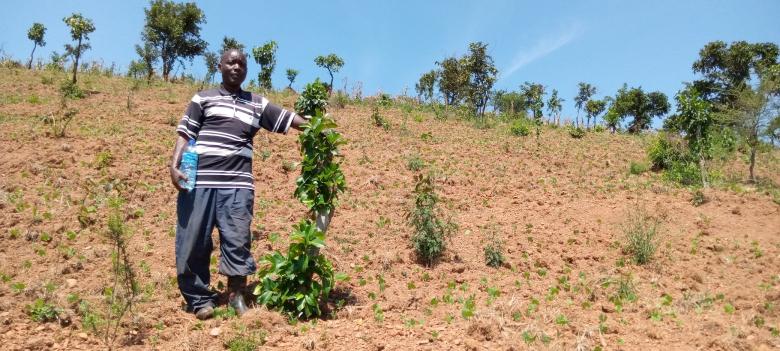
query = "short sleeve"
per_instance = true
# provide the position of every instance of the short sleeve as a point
(190, 123)
(276, 119)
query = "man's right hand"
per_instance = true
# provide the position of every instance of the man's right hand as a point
(176, 176)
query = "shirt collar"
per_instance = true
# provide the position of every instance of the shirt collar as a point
(224, 91)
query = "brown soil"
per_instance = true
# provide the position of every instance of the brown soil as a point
(558, 206)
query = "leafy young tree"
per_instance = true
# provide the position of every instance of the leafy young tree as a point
(35, 33)
(231, 43)
(695, 119)
(554, 107)
(643, 107)
(173, 30)
(612, 119)
(426, 85)
(453, 78)
(773, 130)
(534, 98)
(481, 77)
(753, 108)
(265, 56)
(291, 74)
(593, 108)
(212, 60)
(729, 68)
(585, 92)
(509, 103)
(148, 57)
(332, 63)
(80, 28)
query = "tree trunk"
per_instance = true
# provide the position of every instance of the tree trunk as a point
(752, 162)
(76, 63)
(330, 87)
(29, 64)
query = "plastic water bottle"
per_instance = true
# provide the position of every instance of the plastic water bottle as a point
(189, 166)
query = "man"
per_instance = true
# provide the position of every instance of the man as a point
(223, 122)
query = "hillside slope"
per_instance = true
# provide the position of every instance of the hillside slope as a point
(558, 206)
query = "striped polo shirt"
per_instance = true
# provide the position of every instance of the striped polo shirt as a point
(223, 126)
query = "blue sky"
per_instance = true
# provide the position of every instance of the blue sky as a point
(387, 45)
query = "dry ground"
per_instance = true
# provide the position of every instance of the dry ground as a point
(559, 208)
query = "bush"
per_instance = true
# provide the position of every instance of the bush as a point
(520, 127)
(641, 235)
(321, 178)
(71, 90)
(698, 198)
(637, 168)
(41, 311)
(288, 282)
(494, 253)
(340, 99)
(685, 173)
(415, 163)
(313, 98)
(664, 151)
(379, 120)
(430, 231)
(575, 132)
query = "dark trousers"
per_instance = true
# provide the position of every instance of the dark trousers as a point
(198, 211)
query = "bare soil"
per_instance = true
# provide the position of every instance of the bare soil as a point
(559, 206)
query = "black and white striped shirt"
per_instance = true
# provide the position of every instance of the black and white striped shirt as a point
(223, 125)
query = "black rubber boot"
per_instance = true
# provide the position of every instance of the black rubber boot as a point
(205, 312)
(236, 287)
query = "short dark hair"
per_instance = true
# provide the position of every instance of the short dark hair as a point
(228, 51)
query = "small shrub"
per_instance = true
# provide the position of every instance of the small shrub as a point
(698, 198)
(575, 132)
(641, 235)
(59, 120)
(685, 173)
(340, 99)
(287, 282)
(42, 312)
(103, 159)
(430, 232)
(378, 119)
(520, 127)
(665, 151)
(71, 90)
(415, 163)
(637, 168)
(246, 342)
(494, 252)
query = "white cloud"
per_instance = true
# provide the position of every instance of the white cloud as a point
(542, 48)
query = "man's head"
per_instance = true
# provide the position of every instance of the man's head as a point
(232, 65)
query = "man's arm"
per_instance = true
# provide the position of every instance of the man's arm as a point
(178, 150)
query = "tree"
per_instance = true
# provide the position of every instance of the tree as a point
(509, 103)
(265, 56)
(212, 60)
(425, 86)
(291, 74)
(231, 43)
(453, 78)
(173, 30)
(481, 76)
(593, 108)
(148, 57)
(612, 119)
(80, 28)
(643, 107)
(695, 119)
(752, 110)
(554, 107)
(35, 33)
(773, 130)
(730, 68)
(585, 92)
(534, 99)
(332, 63)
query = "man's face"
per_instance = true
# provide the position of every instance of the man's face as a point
(233, 68)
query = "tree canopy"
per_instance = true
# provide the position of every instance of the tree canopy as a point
(173, 30)
(332, 63)
(80, 29)
(265, 56)
(36, 33)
